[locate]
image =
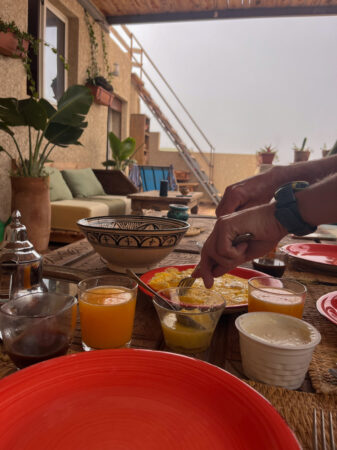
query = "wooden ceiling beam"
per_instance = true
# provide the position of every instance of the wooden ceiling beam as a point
(237, 13)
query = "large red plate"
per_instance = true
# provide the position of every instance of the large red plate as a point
(135, 399)
(241, 272)
(327, 306)
(321, 256)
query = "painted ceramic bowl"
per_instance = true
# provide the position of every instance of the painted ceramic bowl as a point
(133, 242)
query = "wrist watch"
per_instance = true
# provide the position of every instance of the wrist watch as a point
(286, 209)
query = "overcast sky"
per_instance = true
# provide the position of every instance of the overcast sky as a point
(251, 82)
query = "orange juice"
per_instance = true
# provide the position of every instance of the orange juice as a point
(276, 300)
(107, 315)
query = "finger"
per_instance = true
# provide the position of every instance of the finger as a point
(205, 271)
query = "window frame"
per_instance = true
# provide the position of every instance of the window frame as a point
(42, 48)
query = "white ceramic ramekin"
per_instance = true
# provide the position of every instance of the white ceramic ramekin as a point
(277, 364)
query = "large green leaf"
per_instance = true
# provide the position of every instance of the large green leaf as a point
(9, 112)
(63, 135)
(73, 106)
(127, 148)
(5, 128)
(50, 110)
(115, 145)
(34, 113)
(68, 122)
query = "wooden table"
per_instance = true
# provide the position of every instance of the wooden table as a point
(152, 200)
(78, 260)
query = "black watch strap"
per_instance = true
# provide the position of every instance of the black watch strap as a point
(287, 212)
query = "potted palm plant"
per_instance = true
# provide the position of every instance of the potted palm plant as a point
(115, 181)
(47, 127)
(267, 154)
(301, 153)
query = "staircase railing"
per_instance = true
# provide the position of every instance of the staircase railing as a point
(138, 54)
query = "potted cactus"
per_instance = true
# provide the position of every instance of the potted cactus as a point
(267, 154)
(301, 153)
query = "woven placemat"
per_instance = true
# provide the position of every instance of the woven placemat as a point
(325, 354)
(296, 408)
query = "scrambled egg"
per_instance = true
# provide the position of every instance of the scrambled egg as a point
(234, 289)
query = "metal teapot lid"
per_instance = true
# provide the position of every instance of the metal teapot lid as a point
(16, 247)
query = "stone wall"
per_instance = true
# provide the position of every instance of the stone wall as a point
(13, 78)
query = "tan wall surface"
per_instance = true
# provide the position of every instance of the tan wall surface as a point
(228, 168)
(92, 153)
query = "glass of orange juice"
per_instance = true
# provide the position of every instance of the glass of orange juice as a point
(279, 295)
(107, 309)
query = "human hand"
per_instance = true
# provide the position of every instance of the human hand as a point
(218, 254)
(250, 192)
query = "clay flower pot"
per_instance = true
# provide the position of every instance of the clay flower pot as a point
(267, 157)
(101, 96)
(31, 197)
(325, 153)
(301, 155)
(9, 45)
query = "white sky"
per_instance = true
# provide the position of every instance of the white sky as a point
(251, 82)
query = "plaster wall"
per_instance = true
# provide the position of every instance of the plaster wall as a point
(228, 167)
(94, 138)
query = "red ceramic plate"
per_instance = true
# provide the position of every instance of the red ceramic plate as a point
(135, 399)
(327, 306)
(241, 272)
(320, 256)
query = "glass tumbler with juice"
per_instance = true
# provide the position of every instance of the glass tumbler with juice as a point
(107, 310)
(189, 325)
(284, 296)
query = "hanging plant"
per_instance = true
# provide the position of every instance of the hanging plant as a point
(25, 42)
(95, 75)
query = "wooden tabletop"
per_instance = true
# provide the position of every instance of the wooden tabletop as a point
(76, 261)
(154, 195)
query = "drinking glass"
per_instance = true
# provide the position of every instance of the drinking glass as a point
(280, 295)
(107, 309)
(38, 326)
(188, 318)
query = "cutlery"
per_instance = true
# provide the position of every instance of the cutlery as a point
(182, 318)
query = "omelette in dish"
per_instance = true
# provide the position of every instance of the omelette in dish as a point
(233, 288)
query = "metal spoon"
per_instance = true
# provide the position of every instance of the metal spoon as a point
(182, 318)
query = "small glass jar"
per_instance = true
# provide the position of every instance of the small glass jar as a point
(179, 212)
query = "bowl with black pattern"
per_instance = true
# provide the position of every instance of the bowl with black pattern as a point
(133, 242)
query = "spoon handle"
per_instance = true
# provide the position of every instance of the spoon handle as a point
(147, 287)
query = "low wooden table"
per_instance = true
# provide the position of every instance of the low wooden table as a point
(152, 200)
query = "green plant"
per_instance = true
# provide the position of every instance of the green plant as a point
(121, 152)
(267, 149)
(33, 44)
(302, 148)
(54, 127)
(94, 71)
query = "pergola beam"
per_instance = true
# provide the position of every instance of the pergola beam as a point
(235, 13)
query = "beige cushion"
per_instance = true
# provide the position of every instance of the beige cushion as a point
(66, 213)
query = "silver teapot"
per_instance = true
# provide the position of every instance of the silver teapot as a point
(20, 263)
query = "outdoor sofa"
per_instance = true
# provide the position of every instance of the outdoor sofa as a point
(77, 193)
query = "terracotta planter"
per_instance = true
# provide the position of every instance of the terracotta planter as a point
(325, 153)
(301, 155)
(267, 158)
(31, 197)
(9, 45)
(101, 96)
